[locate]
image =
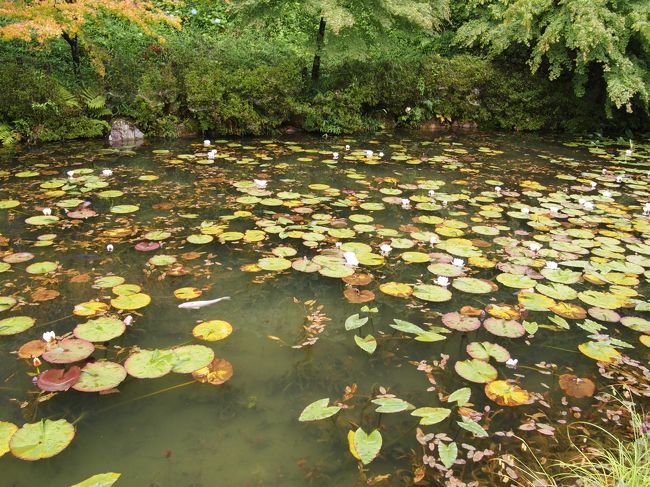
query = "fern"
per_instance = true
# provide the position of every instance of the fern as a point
(95, 103)
(8, 136)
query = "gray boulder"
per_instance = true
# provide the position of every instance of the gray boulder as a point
(124, 132)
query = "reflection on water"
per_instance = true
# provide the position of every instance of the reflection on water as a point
(245, 432)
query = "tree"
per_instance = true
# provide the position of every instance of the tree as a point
(40, 21)
(572, 36)
(365, 17)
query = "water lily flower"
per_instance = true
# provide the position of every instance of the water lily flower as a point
(107, 173)
(432, 193)
(337, 245)
(49, 336)
(593, 184)
(347, 147)
(37, 363)
(351, 259)
(442, 281)
(554, 209)
(335, 155)
(619, 178)
(434, 239)
(445, 203)
(406, 203)
(407, 109)
(47, 211)
(629, 152)
(206, 143)
(109, 248)
(369, 153)
(607, 194)
(551, 265)
(70, 173)
(582, 201)
(525, 211)
(588, 205)
(260, 183)
(212, 154)
(512, 363)
(458, 262)
(646, 209)
(381, 154)
(497, 189)
(604, 171)
(128, 320)
(385, 249)
(535, 246)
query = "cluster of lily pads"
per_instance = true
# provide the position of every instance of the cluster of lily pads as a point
(499, 259)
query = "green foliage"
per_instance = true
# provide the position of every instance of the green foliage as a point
(575, 36)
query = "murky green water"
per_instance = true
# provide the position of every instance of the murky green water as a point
(173, 431)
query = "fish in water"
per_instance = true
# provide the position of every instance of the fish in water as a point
(201, 304)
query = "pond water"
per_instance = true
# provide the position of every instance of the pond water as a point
(531, 255)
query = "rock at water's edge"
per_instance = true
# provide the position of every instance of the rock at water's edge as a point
(124, 132)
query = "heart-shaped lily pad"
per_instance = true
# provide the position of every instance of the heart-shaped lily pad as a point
(7, 430)
(16, 324)
(504, 328)
(456, 321)
(474, 286)
(367, 446)
(431, 293)
(58, 379)
(318, 410)
(189, 358)
(485, 350)
(429, 416)
(131, 301)
(100, 329)
(212, 331)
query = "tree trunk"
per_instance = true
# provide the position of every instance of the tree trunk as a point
(74, 51)
(315, 68)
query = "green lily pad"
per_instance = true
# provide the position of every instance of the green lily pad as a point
(45, 439)
(601, 299)
(99, 480)
(131, 301)
(274, 263)
(448, 453)
(504, 328)
(431, 293)
(41, 267)
(429, 416)
(189, 358)
(515, 281)
(336, 270)
(474, 286)
(367, 344)
(199, 239)
(162, 260)
(7, 430)
(100, 376)
(600, 351)
(485, 350)
(563, 276)
(318, 410)
(150, 364)
(473, 427)
(8, 204)
(366, 445)
(123, 209)
(7, 302)
(15, 324)
(100, 329)
(391, 405)
(637, 323)
(355, 321)
(108, 281)
(557, 291)
(460, 396)
(475, 370)
(41, 220)
(415, 257)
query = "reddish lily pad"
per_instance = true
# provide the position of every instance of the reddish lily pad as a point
(68, 350)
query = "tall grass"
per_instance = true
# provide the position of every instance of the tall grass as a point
(601, 459)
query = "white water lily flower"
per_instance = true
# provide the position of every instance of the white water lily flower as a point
(535, 247)
(109, 248)
(338, 245)
(385, 249)
(70, 174)
(406, 203)
(619, 178)
(629, 152)
(260, 183)
(525, 211)
(554, 209)
(347, 147)
(351, 259)
(588, 205)
(458, 262)
(434, 239)
(593, 184)
(582, 201)
(445, 202)
(512, 363)
(47, 211)
(442, 281)
(49, 336)
(128, 320)
(381, 154)
(335, 155)
(369, 153)
(107, 173)
(607, 194)
(211, 155)
(604, 171)
(206, 143)
(432, 193)
(551, 265)
(497, 189)
(646, 209)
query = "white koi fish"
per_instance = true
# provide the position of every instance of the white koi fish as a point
(201, 304)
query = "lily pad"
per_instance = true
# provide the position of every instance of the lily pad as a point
(431, 293)
(100, 329)
(600, 351)
(506, 393)
(474, 286)
(15, 324)
(367, 344)
(99, 480)
(456, 321)
(475, 370)
(190, 358)
(68, 350)
(100, 376)
(212, 331)
(45, 439)
(7, 430)
(504, 328)
(150, 364)
(131, 301)
(318, 410)
(367, 446)
(430, 416)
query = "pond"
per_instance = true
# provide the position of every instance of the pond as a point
(475, 287)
